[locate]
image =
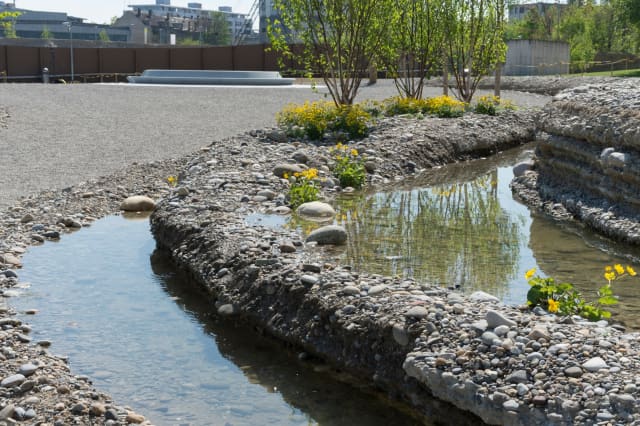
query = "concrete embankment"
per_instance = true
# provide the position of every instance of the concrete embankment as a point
(504, 365)
(587, 160)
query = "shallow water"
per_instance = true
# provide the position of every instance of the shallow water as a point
(459, 227)
(124, 316)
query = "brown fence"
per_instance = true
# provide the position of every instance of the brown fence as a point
(26, 63)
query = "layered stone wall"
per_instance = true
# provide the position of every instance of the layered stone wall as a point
(587, 159)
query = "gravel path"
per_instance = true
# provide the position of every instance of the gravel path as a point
(59, 135)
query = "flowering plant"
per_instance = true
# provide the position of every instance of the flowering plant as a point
(492, 105)
(564, 299)
(349, 167)
(303, 187)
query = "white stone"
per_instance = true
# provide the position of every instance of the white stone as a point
(595, 364)
(316, 209)
(138, 203)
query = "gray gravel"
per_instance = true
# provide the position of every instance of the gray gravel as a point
(59, 135)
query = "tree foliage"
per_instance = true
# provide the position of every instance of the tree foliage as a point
(7, 23)
(473, 42)
(217, 30)
(414, 49)
(46, 33)
(104, 36)
(340, 38)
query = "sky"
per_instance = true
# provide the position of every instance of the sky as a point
(101, 11)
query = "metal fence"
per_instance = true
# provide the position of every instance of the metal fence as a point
(24, 63)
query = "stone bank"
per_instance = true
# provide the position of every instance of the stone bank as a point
(587, 165)
(412, 340)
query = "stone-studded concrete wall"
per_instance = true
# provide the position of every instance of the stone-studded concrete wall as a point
(587, 160)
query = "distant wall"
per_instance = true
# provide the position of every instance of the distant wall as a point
(27, 62)
(534, 57)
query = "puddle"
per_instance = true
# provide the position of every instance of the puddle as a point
(123, 315)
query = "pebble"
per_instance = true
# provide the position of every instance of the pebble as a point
(594, 364)
(495, 319)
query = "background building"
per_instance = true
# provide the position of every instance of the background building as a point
(162, 19)
(34, 24)
(518, 11)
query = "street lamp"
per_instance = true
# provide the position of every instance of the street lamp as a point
(68, 24)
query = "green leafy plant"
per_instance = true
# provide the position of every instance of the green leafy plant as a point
(303, 187)
(564, 299)
(313, 119)
(492, 105)
(349, 167)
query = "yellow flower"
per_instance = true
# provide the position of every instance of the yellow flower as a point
(172, 180)
(631, 271)
(529, 273)
(608, 268)
(354, 152)
(619, 269)
(553, 305)
(285, 175)
(609, 276)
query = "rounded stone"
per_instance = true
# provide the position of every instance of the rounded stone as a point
(316, 209)
(594, 364)
(328, 235)
(138, 203)
(11, 381)
(280, 169)
(573, 371)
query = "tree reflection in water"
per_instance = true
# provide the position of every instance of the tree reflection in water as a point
(450, 234)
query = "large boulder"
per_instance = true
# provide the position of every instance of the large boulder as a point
(316, 210)
(331, 234)
(138, 203)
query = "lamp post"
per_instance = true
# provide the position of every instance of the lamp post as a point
(68, 24)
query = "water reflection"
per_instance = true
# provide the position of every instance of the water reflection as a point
(269, 365)
(578, 256)
(451, 231)
(450, 234)
(130, 325)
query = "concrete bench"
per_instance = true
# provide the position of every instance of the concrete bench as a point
(245, 78)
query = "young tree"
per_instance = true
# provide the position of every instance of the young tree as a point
(8, 23)
(340, 38)
(414, 49)
(46, 34)
(217, 30)
(104, 36)
(473, 41)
